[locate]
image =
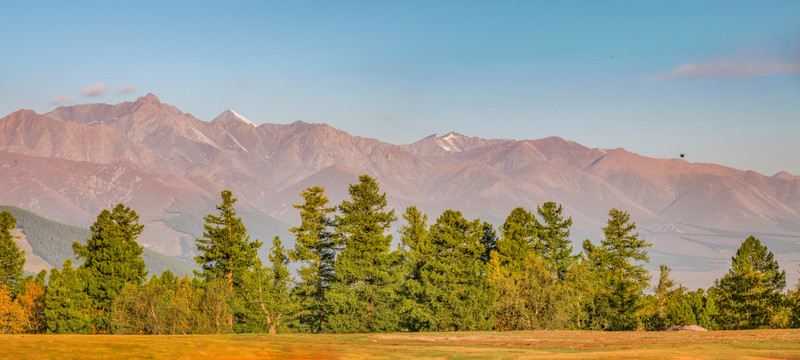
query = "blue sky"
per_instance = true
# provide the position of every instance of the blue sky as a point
(717, 80)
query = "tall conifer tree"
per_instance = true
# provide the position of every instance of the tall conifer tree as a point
(529, 297)
(112, 258)
(364, 292)
(750, 293)
(553, 234)
(618, 273)
(67, 307)
(226, 252)
(315, 248)
(517, 238)
(12, 259)
(453, 291)
(414, 250)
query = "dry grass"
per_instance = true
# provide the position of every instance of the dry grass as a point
(761, 344)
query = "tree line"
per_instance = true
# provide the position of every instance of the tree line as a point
(454, 274)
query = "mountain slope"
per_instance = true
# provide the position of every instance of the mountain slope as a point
(52, 241)
(170, 167)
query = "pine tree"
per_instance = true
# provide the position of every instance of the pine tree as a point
(553, 235)
(268, 290)
(704, 308)
(453, 291)
(618, 280)
(528, 295)
(67, 307)
(415, 249)
(750, 293)
(666, 307)
(112, 258)
(517, 239)
(364, 291)
(12, 259)
(489, 241)
(226, 252)
(315, 248)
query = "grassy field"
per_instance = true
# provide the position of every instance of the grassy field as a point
(760, 344)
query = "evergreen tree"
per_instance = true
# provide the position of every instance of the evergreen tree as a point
(618, 281)
(553, 235)
(226, 252)
(665, 307)
(704, 308)
(518, 239)
(67, 307)
(12, 259)
(316, 248)
(364, 292)
(529, 297)
(453, 291)
(415, 249)
(750, 293)
(112, 258)
(268, 290)
(489, 241)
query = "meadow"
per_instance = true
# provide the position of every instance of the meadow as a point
(752, 344)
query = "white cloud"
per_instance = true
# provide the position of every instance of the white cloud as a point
(95, 90)
(127, 89)
(722, 69)
(61, 99)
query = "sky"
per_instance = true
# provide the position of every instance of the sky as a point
(716, 80)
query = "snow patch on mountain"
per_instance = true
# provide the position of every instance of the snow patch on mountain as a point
(242, 118)
(203, 138)
(450, 142)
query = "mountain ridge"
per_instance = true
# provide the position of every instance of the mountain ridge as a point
(187, 160)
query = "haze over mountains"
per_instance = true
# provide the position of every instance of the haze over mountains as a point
(169, 166)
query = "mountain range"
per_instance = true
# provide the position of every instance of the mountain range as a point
(69, 164)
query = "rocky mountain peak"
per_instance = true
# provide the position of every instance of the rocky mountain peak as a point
(230, 115)
(784, 176)
(148, 99)
(22, 113)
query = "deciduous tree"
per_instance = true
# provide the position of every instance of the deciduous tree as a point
(12, 314)
(267, 290)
